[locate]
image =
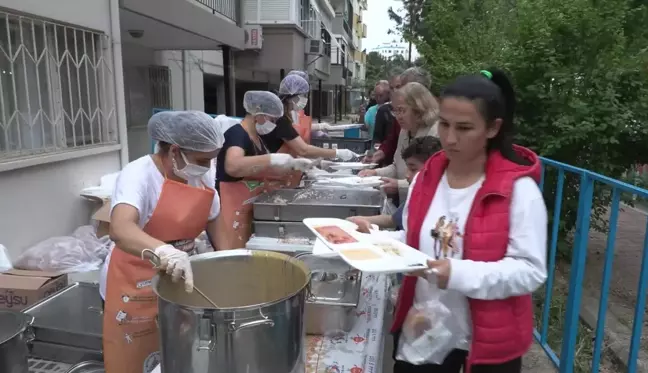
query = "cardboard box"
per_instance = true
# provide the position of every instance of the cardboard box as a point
(102, 216)
(20, 289)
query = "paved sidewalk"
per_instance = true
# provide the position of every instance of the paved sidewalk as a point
(626, 266)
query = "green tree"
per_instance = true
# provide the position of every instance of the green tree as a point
(580, 69)
(379, 68)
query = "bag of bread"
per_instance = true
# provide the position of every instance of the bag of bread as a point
(426, 337)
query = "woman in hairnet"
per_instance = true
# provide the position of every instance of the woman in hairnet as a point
(246, 166)
(290, 137)
(160, 204)
(299, 117)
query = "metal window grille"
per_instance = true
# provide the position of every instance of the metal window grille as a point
(56, 87)
(160, 83)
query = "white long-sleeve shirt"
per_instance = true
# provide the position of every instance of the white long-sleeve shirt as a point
(521, 271)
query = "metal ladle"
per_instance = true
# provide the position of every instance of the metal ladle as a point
(155, 260)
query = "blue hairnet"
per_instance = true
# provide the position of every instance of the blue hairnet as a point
(299, 73)
(262, 103)
(191, 130)
(293, 85)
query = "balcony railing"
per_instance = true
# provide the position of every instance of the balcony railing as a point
(589, 181)
(312, 24)
(227, 8)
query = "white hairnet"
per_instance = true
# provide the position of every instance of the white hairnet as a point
(262, 102)
(299, 73)
(293, 85)
(190, 130)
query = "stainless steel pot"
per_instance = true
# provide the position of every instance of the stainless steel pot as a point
(15, 335)
(334, 296)
(258, 327)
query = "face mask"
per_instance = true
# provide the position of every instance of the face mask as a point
(301, 104)
(190, 171)
(265, 128)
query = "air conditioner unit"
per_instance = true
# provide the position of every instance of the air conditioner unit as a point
(253, 37)
(314, 47)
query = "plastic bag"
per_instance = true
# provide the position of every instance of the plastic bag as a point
(5, 262)
(82, 252)
(426, 335)
(388, 207)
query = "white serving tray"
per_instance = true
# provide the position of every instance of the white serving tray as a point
(357, 181)
(352, 165)
(388, 255)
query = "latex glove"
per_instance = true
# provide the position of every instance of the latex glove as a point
(345, 154)
(176, 263)
(281, 160)
(321, 127)
(302, 164)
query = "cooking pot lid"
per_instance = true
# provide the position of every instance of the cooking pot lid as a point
(11, 324)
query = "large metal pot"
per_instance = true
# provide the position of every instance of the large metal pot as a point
(258, 327)
(15, 335)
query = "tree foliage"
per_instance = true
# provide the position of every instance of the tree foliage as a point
(580, 68)
(379, 68)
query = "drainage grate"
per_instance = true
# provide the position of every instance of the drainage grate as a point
(47, 366)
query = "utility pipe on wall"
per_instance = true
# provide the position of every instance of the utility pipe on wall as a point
(118, 76)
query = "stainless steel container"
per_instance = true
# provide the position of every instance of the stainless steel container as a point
(15, 335)
(296, 205)
(335, 293)
(72, 317)
(258, 327)
(284, 230)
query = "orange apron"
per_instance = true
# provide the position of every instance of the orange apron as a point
(303, 128)
(130, 334)
(236, 215)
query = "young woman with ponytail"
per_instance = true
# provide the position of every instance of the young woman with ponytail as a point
(477, 209)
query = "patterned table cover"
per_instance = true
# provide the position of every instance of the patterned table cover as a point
(360, 350)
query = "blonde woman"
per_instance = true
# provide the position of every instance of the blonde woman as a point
(416, 110)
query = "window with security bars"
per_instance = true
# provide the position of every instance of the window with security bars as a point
(56, 87)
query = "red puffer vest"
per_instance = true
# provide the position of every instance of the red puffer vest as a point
(502, 330)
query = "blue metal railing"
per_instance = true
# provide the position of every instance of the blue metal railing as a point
(579, 255)
(157, 110)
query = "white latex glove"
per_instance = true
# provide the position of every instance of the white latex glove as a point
(281, 160)
(176, 263)
(345, 154)
(302, 164)
(321, 127)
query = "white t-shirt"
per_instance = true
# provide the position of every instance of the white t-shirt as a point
(521, 271)
(139, 184)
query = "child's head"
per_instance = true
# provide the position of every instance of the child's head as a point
(418, 152)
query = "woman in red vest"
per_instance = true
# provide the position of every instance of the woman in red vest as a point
(477, 209)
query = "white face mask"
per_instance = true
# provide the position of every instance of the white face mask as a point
(190, 171)
(301, 103)
(265, 128)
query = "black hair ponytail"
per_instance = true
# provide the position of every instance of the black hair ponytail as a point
(494, 95)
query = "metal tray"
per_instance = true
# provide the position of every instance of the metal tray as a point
(334, 295)
(71, 317)
(62, 353)
(283, 230)
(295, 205)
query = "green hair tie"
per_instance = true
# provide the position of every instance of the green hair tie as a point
(487, 74)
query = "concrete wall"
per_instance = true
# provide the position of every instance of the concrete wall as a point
(283, 48)
(186, 71)
(40, 196)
